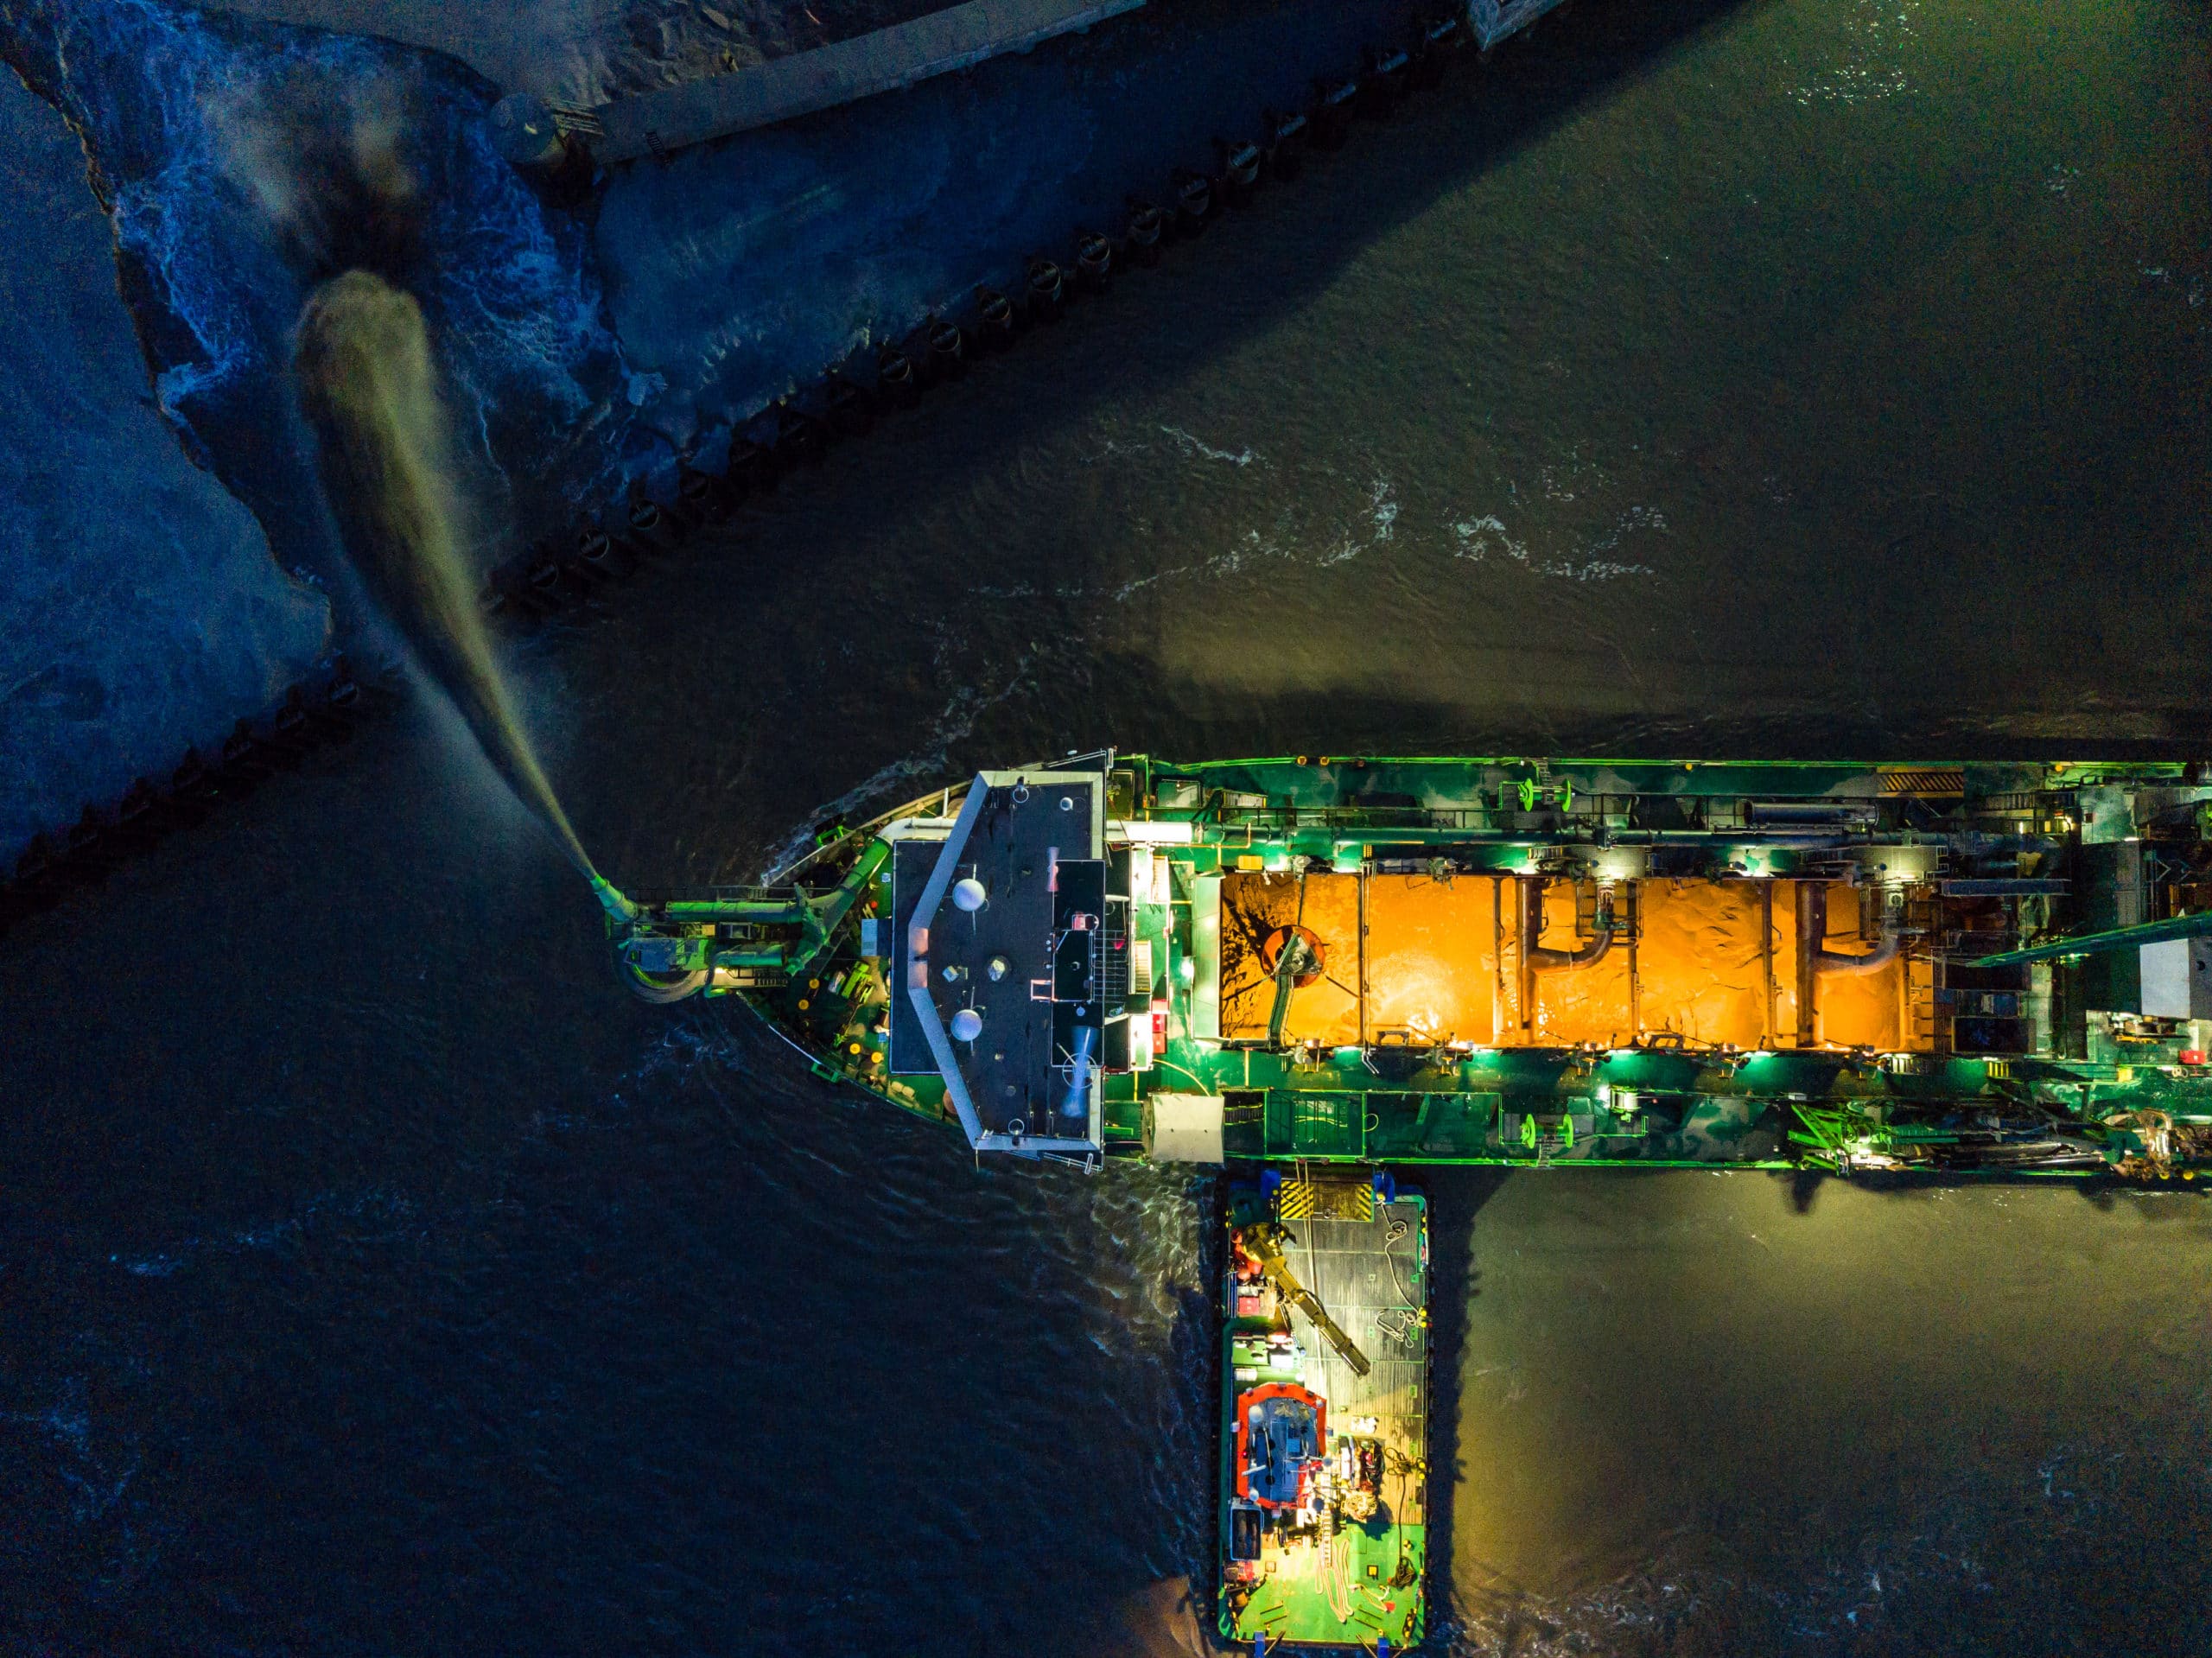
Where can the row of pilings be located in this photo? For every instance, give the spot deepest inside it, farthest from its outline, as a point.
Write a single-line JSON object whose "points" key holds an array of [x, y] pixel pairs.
{"points": [[314, 713], [843, 404], [846, 401]]}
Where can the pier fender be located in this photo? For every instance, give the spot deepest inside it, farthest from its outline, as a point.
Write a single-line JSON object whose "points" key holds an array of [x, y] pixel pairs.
{"points": [[939, 351], [240, 762], [547, 581], [1094, 260], [704, 497], [751, 469], [651, 524], [1048, 289], [997, 322], [143, 815], [579, 575], [601, 554], [1240, 168], [1147, 229], [896, 380], [1285, 144], [1441, 41], [801, 439], [1194, 200], [1333, 105], [852, 407], [1383, 86], [191, 786], [36, 863]]}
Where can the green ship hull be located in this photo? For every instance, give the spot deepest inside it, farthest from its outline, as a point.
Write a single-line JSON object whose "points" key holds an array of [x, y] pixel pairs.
{"points": [[1952, 968]]}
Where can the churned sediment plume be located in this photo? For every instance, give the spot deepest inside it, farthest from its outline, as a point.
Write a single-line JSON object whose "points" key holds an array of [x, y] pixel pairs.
{"points": [[371, 387]]}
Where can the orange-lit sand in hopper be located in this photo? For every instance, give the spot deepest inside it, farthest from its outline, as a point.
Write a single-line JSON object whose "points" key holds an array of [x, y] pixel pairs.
{"points": [[1427, 960]]}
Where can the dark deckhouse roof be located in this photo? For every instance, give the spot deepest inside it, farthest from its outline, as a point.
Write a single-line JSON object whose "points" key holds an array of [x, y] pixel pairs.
{"points": [[1024, 961]]}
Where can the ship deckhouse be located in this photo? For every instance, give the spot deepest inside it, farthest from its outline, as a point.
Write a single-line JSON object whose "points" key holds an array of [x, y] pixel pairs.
{"points": [[1008, 960]]}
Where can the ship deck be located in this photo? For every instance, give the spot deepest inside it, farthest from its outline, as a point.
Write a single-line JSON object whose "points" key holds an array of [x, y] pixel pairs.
{"points": [[1803, 965]]}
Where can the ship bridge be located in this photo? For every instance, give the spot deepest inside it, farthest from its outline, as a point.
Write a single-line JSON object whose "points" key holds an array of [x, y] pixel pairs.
{"points": [[1009, 960]]}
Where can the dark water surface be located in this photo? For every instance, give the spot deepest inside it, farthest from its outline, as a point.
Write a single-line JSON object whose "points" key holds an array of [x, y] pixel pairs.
{"points": [[375, 1277]]}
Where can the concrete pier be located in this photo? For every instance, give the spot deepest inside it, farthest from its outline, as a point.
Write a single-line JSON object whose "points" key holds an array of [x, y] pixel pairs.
{"points": [[659, 121]]}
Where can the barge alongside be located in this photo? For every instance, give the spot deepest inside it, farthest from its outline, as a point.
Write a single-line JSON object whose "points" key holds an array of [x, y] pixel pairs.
{"points": [[1324, 1429]]}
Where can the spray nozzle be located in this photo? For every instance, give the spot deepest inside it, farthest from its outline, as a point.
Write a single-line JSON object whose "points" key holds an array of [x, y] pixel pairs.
{"points": [[618, 907]]}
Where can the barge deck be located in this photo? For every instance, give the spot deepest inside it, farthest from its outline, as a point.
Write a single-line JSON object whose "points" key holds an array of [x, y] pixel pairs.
{"points": [[1326, 1551]]}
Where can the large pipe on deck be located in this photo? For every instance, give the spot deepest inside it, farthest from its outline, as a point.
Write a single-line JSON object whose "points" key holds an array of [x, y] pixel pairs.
{"points": [[1541, 960], [1535, 958], [1816, 962]]}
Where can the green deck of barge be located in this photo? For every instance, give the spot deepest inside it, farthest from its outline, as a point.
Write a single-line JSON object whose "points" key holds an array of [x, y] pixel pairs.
{"points": [[1340, 1583]]}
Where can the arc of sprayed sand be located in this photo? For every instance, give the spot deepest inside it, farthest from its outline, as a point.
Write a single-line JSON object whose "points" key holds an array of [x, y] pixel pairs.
{"points": [[371, 386]]}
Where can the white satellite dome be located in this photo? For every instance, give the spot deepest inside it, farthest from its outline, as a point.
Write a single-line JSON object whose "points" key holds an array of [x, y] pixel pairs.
{"points": [[969, 894], [966, 1025]]}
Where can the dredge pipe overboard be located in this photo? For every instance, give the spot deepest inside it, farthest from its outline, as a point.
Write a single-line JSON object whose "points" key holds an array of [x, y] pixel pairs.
{"points": [[618, 908]]}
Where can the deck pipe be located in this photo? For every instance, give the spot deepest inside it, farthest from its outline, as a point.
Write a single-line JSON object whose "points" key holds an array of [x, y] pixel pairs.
{"points": [[1536, 958], [1816, 962], [1540, 959]]}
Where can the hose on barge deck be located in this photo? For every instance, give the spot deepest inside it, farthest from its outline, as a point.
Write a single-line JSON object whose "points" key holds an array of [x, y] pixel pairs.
{"points": [[1816, 962]]}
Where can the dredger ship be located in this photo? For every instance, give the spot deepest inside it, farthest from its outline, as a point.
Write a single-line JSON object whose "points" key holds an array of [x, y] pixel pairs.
{"points": [[1326, 972]]}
